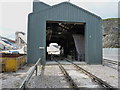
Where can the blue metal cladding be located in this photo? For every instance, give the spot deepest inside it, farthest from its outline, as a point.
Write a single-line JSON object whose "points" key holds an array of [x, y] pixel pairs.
{"points": [[38, 6], [70, 13]]}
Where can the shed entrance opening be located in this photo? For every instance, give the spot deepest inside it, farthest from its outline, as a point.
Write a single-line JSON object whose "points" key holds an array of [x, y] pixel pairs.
{"points": [[69, 37]]}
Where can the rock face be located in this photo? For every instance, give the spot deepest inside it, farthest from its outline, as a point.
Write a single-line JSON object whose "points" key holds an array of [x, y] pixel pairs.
{"points": [[111, 33]]}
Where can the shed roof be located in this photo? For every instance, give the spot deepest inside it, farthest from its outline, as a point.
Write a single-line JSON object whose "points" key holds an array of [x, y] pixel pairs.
{"points": [[68, 3]]}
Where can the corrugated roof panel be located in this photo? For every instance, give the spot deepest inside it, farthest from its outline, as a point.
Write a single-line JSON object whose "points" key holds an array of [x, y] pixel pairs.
{"points": [[38, 6]]}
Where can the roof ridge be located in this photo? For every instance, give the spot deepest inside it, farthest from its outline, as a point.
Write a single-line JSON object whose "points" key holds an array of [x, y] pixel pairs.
{"points": [[41, 2], [83, 9], [69, 4]]}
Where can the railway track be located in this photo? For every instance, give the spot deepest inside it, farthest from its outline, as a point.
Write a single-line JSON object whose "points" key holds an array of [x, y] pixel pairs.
{"points": [[96, 82], [111, 63], [69, 79]]}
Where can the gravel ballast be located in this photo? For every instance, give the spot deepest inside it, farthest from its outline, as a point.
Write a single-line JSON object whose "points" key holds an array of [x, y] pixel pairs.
{"points": [[105, 73], [80, 78], [51, 77], [14, 79]]}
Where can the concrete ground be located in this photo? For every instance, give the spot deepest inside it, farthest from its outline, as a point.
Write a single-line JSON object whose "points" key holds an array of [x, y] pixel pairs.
{"points": [[105, 73], [51, 77], [81, 79], [14, 79], [52, 62]]}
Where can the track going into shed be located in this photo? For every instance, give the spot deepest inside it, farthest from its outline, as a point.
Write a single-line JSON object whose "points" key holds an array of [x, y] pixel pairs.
{"points": [[80, 78], [66, 74]]}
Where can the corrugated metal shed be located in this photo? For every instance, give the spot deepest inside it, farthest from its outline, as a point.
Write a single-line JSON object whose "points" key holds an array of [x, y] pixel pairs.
{"points": [[67, 12]]}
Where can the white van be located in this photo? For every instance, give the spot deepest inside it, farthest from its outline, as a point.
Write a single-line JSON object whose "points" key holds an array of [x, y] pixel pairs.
{"points": [[54, 49]]}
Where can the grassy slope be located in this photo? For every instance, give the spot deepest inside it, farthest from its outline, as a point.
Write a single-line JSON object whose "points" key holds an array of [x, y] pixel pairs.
{"points": [[111, 19]]}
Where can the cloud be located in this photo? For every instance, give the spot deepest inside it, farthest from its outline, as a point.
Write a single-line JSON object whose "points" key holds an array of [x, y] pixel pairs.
{"points": [[102, 9], [14, 15], [53, 1], [7, 32]]}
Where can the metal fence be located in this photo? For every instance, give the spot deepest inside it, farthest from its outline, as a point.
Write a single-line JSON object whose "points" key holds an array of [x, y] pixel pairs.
{"points": [[24, 84]]}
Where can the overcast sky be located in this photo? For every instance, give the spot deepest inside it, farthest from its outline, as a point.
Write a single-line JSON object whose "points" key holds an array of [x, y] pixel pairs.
{"points": [[14, 13]]}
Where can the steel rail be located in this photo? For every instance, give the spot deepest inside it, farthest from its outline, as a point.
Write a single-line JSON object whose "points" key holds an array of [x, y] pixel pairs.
{"points": [[96, 79], [69, 79], [23, 86], [110, 61]]}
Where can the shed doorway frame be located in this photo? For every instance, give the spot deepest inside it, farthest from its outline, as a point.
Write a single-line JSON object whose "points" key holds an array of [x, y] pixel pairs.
{"points": [[70, 22]]}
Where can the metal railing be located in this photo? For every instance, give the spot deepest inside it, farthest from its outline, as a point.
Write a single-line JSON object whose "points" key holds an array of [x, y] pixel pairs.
{"points": [[24, 84]]}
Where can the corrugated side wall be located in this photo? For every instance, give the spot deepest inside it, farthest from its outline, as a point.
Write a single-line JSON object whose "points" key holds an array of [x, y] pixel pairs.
{"points": [[38, 6], [69, 13]]}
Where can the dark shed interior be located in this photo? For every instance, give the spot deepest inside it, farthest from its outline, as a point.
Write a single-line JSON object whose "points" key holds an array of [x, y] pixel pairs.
{"points": [[70, 36]]}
